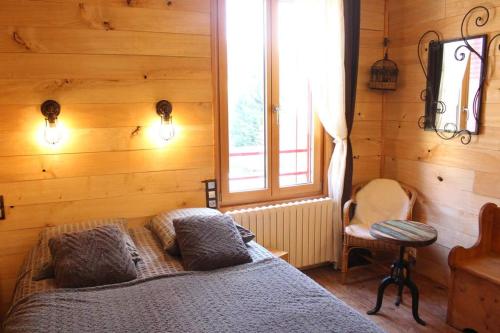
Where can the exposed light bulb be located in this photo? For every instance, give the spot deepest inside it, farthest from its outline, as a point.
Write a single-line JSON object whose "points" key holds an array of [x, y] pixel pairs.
{"points": [[167, 129], [53, 133]]}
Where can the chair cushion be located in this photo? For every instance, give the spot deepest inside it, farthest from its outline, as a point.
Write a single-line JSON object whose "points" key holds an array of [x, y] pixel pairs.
{"points": [[359, 230], [381, 200]]}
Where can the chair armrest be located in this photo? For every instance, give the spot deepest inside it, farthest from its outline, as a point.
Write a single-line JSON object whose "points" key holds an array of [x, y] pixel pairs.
{"points": [[347, 212], [456, 254], [459, 254], [413, 198], [484, 241]]}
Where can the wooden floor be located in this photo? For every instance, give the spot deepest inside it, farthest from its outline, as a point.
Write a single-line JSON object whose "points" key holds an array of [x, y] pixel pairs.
{"points": [[360, 293]]}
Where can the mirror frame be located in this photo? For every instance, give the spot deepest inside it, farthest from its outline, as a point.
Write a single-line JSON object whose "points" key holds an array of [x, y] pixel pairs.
{"points": [[434, 106], [480, 16]]}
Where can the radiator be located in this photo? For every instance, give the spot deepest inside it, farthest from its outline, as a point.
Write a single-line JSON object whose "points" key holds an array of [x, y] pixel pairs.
{"points": [[303, 229]]}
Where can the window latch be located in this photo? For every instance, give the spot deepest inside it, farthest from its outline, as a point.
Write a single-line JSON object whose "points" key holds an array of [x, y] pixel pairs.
{"points": [[276, 109]]}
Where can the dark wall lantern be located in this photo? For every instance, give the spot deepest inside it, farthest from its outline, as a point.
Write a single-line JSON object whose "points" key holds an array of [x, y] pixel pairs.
{"points": [[51, 110], [164, 110]]}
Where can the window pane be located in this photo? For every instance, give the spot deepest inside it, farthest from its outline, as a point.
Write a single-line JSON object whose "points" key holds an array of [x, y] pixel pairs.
{"points": [[246, 40], [296, 117]]}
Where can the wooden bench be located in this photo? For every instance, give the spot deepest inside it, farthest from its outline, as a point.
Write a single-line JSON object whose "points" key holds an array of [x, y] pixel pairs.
{"points": [[474, 297]]}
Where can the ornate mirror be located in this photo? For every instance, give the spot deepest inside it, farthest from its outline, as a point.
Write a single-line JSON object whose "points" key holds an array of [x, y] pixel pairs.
{"points": [[455, 74]]}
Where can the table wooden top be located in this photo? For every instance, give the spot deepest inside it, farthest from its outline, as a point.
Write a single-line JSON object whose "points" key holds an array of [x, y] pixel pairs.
{"points": [[404, 233]]}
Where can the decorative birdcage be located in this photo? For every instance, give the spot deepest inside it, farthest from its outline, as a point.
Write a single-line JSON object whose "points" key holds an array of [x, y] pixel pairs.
{"points": [[384, 75]]}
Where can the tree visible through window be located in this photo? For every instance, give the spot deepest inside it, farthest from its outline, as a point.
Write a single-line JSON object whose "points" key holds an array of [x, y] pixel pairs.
{"points": [[270, 138]]}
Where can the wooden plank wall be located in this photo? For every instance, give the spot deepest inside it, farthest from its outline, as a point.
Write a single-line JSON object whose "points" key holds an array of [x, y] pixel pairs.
{"points": [[107, 63], [453, 180], [367, 131]]}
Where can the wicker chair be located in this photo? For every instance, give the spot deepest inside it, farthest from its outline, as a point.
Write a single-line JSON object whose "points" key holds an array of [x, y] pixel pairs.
{"points": [[356, 235]]}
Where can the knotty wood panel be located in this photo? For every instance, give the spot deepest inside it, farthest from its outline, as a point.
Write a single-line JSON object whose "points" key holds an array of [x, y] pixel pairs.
{"points": [[106, 139], [487, 184], [102, 163], [100, 16], [372, 14], [453, 180], [404, 130], [186, 5], [367, 129], [86, 41], [128, 206], [104, 91], [107, 63], [366, 168], [102, 186], [102, 67]]}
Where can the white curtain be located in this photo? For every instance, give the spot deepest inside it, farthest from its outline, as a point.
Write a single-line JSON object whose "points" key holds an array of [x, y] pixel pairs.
{"points": [[322, 37]]}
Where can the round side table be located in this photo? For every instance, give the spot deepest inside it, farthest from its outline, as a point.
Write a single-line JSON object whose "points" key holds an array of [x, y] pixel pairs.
{"points": [[404, 234]]}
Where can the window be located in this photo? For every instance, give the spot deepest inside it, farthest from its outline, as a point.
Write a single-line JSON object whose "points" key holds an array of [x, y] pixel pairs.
{"points": [[271, 141]]}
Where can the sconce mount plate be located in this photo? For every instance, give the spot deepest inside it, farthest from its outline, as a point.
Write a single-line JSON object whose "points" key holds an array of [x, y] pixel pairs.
{"points": [[164, 108], [51, 110]]}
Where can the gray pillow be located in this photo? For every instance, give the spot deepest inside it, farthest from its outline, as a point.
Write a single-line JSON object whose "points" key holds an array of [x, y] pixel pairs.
{"points": [[45, 269], [91, 258], [210, 242], [246, 234], [166, 230], [162, 225]]}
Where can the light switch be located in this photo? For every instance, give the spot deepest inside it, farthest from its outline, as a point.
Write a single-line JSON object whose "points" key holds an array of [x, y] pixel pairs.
{"points": [[211, 193]]}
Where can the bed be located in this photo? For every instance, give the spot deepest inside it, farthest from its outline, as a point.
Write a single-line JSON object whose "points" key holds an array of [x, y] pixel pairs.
{"points": [[266, 295]]}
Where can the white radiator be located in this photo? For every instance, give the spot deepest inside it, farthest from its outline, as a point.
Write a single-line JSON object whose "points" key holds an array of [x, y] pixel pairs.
{"points": [[303, 229]]}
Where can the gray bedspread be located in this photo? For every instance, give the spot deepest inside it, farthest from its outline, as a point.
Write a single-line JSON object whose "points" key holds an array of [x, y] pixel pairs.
{"points": [[266, 296]]}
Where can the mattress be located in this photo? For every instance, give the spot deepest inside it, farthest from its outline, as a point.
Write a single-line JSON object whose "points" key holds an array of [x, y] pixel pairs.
{"points": [[155, 262]]}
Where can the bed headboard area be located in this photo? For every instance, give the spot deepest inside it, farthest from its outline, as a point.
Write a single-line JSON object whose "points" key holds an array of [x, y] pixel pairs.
{"points": [[107, 66]]}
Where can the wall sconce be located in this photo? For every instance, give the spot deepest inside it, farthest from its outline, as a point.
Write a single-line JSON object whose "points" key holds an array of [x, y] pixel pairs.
{"points": [[164, 110], [51, 110]]}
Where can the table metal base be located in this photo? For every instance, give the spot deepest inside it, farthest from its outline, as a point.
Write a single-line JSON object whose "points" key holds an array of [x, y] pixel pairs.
{"points": [[400, 276]]}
